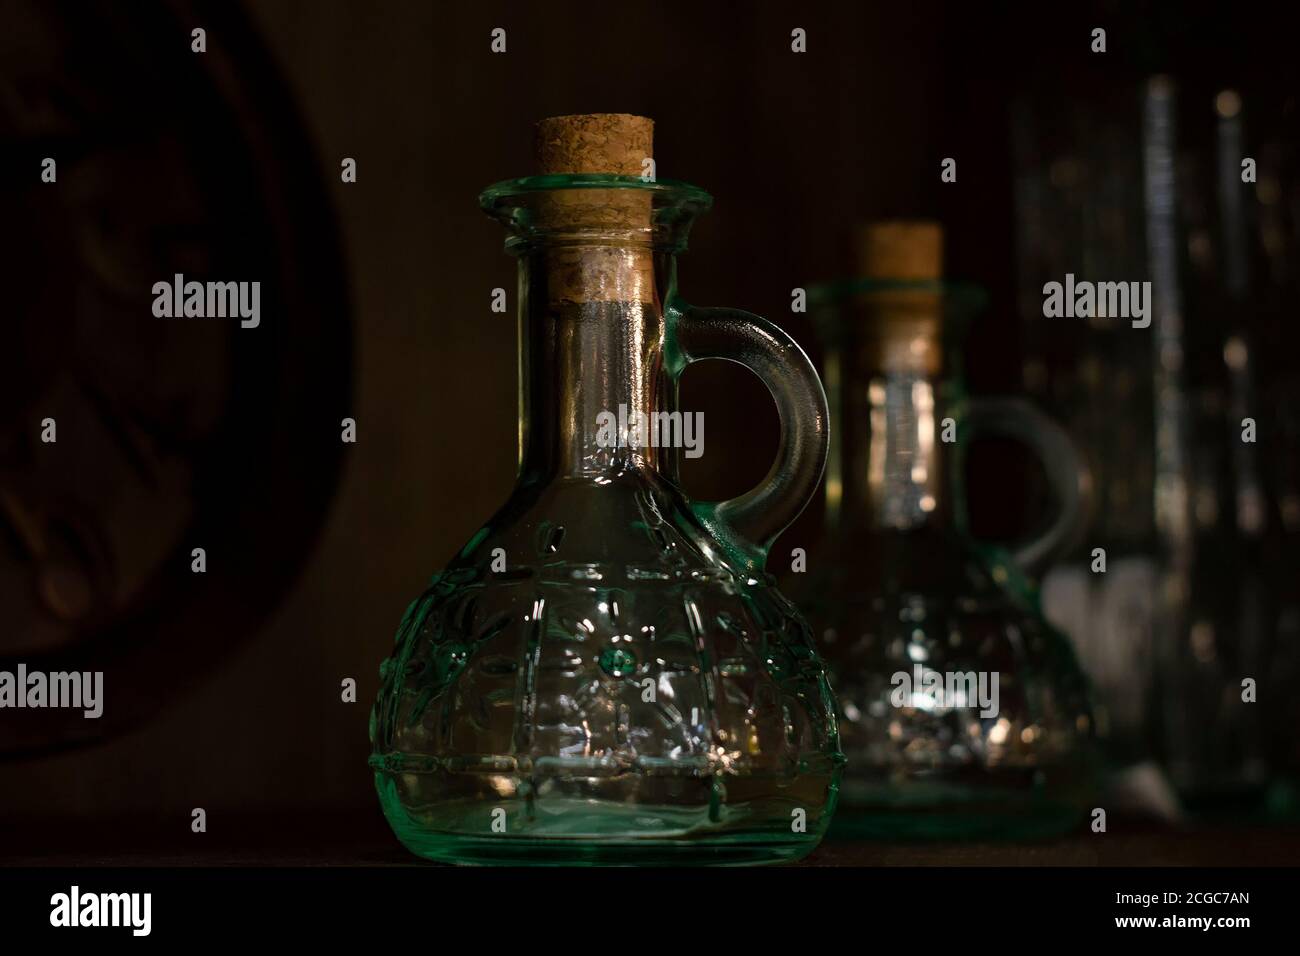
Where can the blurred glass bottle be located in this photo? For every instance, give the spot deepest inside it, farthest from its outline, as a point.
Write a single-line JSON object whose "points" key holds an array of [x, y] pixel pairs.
{"points": [[1139, 187], [963, 713], [1272, 226], [1221, 608]]}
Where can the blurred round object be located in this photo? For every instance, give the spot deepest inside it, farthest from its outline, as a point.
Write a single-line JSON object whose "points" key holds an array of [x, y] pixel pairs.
{"points": [[128, 441]]}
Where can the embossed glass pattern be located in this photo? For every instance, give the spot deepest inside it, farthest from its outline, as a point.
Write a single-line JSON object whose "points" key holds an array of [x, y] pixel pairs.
{"points": [[605, 672]]}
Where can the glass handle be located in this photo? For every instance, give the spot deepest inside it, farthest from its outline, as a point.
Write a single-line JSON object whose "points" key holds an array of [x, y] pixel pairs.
{"points": [[1066, 471], [749, 524]]}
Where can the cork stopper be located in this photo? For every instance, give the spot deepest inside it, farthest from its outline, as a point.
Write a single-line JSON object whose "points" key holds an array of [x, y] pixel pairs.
{"points": [[595, 143], [907, 324], [911, 250], [611, 143]]}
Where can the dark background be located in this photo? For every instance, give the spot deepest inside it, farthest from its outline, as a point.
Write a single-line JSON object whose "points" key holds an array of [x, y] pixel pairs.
{"points": [[228, 698]]}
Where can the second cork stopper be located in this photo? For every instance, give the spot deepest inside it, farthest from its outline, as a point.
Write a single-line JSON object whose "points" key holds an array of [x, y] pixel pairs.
{"points": [[901, 249], [906, 323]]}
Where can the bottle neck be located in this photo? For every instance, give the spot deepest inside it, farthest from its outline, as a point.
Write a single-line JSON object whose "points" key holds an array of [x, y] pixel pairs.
{"points": [[889, 474], [593, 388]]}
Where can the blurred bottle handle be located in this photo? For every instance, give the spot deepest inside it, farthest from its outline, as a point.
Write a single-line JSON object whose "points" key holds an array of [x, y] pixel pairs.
{"points": [[1066, 472]]}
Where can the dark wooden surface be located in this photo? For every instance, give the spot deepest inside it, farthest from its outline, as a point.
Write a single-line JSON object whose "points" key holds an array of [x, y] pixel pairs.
{"points": [[363, 839]]}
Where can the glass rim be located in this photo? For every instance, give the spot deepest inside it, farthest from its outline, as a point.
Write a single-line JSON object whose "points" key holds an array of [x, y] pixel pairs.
{"points": [[672, 190]]}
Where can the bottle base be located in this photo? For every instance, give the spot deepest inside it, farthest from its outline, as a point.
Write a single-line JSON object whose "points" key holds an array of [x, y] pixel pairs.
{"points": [[585, 833], [736, 850]]}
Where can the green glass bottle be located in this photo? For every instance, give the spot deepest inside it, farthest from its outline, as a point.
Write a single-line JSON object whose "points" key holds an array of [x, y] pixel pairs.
{"points": [[605, 673], [963, 713]]}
